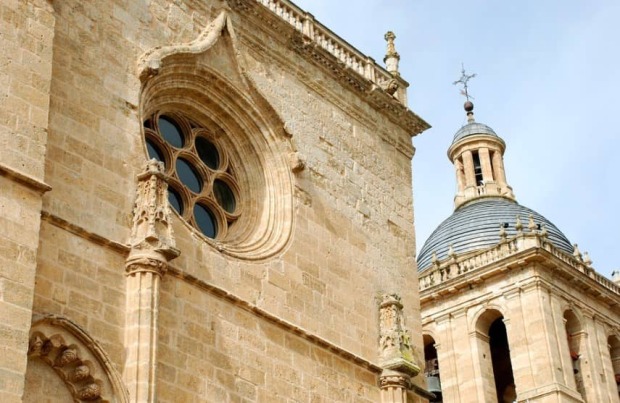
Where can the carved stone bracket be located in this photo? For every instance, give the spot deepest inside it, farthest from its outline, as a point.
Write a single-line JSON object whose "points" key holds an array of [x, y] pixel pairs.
{"points": [[396, 351]]}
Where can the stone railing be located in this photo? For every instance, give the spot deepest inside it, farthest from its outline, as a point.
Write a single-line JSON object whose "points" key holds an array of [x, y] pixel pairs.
{"points": [[453, 267], [318, 34], [578, 263]]}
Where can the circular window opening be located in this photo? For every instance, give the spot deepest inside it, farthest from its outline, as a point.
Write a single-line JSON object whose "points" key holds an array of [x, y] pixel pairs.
{"points": [[188, 175], [195, 192], [154, 151], [175, 200], [224, 196], [205, 220], [208, 152], [170, 131]]}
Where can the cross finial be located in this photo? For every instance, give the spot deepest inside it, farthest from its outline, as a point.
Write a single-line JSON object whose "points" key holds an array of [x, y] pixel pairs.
{"points": [[463, 81]]}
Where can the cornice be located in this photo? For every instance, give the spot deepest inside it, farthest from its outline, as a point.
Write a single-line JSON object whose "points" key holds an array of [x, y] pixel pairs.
{"points": [[362, 80]]}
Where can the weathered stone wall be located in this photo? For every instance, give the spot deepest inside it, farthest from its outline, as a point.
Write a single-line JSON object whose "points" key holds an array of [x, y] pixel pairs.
{"points": [[302, 323], [26, 34]]}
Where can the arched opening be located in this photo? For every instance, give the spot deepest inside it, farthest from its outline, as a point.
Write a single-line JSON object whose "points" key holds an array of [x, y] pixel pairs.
{"points": [[500, 358], [573, 338], [433, 380], [494, 356], [614, 353]]}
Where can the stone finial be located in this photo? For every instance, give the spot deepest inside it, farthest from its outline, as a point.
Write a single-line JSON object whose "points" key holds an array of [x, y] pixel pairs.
{"points": [[577, 253], [451, 252], [392, 57], [586, 259], [395, 347], [531, 224], [519, 225], [502, 231], [434, 259], [152, 239], [615, 276]]}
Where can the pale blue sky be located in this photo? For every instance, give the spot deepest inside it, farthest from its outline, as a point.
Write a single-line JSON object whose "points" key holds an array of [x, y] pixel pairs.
{"points": [[548, 83]]}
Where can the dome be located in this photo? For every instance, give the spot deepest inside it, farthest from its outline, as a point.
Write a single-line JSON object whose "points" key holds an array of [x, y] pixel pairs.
{"points": [[472, 129], [475, 226]]}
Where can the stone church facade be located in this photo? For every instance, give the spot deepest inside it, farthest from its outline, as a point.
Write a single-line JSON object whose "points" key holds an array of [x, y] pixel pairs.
{"points": [[209, 200], [511, 310], [202, 201]]}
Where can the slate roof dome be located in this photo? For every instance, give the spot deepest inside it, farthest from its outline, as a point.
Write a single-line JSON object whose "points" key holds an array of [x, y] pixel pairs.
{"points": [[471, 129], [475, 226]]}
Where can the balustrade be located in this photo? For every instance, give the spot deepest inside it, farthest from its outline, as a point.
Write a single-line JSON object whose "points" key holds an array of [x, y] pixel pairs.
{"points": [[350, 57]]}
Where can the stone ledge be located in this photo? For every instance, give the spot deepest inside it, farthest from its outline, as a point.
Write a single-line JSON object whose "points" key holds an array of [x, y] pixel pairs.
{"points": [[24, 179]]}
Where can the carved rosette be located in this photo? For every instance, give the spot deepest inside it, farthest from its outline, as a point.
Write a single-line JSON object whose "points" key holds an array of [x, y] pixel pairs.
{"points": [[152, 240], [395, 348]]}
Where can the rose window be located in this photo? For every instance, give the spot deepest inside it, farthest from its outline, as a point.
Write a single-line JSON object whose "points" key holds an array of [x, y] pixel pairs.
{"points": [[202, 186]]}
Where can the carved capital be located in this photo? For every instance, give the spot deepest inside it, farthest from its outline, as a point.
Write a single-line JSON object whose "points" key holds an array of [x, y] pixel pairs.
{"points": [[143, 264], [151, 231], [391, 379], [395, 348]]}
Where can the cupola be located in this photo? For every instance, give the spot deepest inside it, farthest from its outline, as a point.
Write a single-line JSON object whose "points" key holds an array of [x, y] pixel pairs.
{"points": [[477, 153]]}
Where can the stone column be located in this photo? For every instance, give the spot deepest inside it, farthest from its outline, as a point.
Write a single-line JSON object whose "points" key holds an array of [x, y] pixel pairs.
{"points": [[460, 175], [485, 162], [498, 168], [152, 247], [394, 386], [468, 162], [395, 352]]}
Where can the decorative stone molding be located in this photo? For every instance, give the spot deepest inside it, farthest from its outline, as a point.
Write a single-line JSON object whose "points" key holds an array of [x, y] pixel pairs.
{"points": [[395, 348], [392, 379], [150, 63], [78, 360]]}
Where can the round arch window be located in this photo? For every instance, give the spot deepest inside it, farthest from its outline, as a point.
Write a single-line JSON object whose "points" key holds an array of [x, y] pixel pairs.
{"points": [[202, 186]]}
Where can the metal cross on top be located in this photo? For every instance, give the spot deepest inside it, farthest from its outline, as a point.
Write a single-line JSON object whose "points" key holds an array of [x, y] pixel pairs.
{"points": [[463, 80]]}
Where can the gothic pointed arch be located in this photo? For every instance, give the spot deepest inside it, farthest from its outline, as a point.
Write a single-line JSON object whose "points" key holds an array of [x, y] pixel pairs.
{"points": [[77, 361], [246, 199]]}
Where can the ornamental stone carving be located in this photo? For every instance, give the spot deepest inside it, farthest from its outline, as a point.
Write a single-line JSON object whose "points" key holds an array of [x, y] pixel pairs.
{"points": [[152, 241], [77, 359], [396, 350]]}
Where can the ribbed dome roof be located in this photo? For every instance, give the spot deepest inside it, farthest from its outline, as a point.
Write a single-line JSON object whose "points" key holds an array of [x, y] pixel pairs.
{"points": [[475, 226], [472, 129]]}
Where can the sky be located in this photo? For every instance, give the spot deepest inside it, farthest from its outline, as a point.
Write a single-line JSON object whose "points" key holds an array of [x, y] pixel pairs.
{"points": [[548, 83]]}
